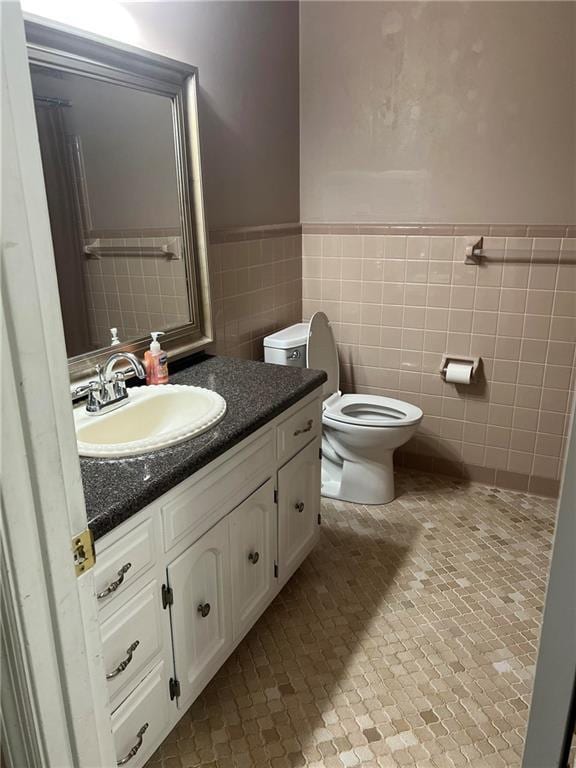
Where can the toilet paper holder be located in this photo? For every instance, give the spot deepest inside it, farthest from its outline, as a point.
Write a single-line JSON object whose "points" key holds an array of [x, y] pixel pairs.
{"points": [[446, 359]]}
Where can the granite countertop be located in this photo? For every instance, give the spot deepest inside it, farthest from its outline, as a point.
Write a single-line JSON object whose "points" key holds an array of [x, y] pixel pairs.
{"points": [[115, 489]]}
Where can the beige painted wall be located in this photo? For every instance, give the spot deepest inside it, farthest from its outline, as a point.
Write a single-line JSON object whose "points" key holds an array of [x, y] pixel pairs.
{"points": [[247, 55], [437, 112]]}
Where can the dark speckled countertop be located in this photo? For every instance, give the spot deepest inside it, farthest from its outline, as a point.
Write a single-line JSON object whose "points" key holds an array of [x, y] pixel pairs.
{"points": [[115, 489]]}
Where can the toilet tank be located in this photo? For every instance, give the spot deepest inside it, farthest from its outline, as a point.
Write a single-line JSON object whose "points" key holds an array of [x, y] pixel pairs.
{"points": [[288, 346]]}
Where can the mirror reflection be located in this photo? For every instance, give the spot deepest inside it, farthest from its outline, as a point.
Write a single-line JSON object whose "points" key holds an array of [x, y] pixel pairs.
{"points": [[109, 163]]}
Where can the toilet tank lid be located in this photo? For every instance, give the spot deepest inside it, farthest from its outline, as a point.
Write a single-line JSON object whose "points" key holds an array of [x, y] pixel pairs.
{"points": [[294, 336]]}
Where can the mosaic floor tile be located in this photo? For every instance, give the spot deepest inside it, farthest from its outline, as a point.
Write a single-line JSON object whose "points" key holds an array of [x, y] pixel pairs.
{"points": [[407, 638]]}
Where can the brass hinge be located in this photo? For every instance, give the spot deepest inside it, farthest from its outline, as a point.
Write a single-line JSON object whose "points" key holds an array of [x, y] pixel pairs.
{"points": [[83, 551], [174, 688], [167, 596]]}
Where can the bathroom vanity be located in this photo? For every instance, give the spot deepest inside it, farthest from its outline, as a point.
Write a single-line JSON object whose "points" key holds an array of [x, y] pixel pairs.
{"points": [[193, 542]]}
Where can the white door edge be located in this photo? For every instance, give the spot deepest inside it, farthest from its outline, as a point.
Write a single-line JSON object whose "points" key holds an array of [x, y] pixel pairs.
{"points": [[52, 617]]}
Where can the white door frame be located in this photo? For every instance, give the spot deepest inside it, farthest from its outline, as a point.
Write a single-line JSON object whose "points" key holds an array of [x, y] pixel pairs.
{"points": [[56, 713], [550, 728]]}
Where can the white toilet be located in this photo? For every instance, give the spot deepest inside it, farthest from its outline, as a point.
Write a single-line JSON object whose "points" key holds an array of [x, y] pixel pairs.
{"points": [[360, 432]]}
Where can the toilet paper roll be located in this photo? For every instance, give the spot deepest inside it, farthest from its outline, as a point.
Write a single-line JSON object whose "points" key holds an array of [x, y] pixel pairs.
{"points": [[459, 373]]}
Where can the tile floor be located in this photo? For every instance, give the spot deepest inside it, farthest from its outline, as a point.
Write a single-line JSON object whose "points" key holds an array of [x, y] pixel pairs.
{"points": [[408, 637]]}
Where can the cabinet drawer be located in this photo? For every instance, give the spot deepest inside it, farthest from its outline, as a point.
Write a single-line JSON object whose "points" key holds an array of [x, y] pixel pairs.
{"points": [[139, 722], [131, 637], [120, 564], [298, 429], [203, 503]]}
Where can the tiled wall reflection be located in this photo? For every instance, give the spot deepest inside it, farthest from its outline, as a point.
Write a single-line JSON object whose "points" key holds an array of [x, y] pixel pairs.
{"points": [[134, 293], [256, 290], [397, 303]]}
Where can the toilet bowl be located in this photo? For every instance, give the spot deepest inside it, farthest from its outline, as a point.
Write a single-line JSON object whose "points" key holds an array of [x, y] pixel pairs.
{"points": [[359, 432]]}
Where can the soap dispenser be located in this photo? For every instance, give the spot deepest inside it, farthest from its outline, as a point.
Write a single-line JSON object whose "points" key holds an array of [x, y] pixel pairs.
{"points": [[156, 361]]}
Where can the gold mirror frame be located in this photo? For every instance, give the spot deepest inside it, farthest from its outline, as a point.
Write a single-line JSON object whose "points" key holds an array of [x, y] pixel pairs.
{"points": [[54, 47]]}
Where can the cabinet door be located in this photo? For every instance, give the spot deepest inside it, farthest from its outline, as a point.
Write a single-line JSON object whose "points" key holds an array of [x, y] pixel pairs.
{"points": [[201, 618], [298, 508], [252, 545]]}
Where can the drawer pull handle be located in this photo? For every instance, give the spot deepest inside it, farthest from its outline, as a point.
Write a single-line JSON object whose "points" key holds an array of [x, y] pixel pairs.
{"points": [[307, 428], [299, 506], [115, 584], [124, 663], [254, 557], [204, 609], [129, 755]]}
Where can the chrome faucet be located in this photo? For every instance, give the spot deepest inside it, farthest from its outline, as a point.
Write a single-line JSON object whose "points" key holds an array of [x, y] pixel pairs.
{"points": [[109, 390]]}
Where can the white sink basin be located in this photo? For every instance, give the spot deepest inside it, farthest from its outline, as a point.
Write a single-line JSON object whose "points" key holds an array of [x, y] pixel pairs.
{"points": [[154, 417]]}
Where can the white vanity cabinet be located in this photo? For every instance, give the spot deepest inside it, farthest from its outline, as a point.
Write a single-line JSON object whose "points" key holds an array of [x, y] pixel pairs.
{"points": [[219, 587], [182, 581]]}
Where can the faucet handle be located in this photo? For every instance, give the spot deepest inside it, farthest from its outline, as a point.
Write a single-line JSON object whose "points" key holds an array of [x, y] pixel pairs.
{"points": [[92, 389], [94, 398], [83, 390]]}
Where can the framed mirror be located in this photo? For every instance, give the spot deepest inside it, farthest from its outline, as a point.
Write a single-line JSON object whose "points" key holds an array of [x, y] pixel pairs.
{"points": [[118, 131]]}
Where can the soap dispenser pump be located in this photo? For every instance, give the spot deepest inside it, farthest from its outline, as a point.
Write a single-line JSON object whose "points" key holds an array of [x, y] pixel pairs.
{"points": [[156, 361]]}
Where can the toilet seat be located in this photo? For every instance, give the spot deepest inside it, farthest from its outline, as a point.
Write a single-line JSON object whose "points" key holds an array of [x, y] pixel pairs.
{"points": [[371, 411], [322, 353], [358, 410]]}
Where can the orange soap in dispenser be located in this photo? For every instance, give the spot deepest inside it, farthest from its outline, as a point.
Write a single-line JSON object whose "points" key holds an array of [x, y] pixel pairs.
{"points": [[156, 361]]}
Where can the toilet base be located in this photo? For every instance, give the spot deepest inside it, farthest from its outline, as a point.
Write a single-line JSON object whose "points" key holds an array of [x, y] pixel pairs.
{"points": [[368, 482]]}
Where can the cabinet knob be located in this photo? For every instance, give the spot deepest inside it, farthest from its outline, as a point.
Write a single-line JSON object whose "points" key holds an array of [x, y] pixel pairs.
{"points": [[204, 609], [299, 506], [254, 557]]}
